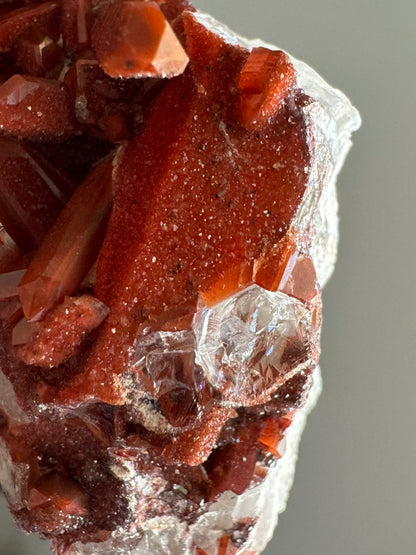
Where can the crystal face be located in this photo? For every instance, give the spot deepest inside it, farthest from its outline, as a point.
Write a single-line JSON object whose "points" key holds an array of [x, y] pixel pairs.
{"points": [[249, 344], [167, 223]]}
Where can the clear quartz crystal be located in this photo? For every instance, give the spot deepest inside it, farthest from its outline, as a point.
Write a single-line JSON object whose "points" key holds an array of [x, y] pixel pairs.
{"points": [[242, 342]]}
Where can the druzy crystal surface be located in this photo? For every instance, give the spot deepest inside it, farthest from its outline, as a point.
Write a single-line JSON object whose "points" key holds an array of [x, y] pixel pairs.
{"points": [[167, 223]]}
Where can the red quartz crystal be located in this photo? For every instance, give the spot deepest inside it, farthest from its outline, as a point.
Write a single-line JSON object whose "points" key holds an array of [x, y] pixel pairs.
{"points": [[173, 253], [43, 16], [39, 55], [33, 107], [134, 39], [149, 171], [60, 334], [71, 247], [264, 82], [32, 193]]}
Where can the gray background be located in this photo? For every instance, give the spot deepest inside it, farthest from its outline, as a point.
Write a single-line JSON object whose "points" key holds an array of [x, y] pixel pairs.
{"points": [[355, 489]]}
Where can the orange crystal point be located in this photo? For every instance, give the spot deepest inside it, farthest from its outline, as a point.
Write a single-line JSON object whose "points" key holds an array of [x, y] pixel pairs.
{"points": [[71, 247], [194, 447], [264, 82], [59, 491], [59, 336], [272, 434], [273, 266], [134, 39]]}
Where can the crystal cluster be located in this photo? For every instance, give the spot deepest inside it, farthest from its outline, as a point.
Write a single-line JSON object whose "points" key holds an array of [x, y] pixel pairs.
{"points": [[168, 220]]}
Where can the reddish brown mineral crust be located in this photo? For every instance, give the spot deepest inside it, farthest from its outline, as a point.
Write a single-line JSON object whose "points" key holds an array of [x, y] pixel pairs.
{"points": [[139, 266], [134, 39], [122, 423], [194, 447]]}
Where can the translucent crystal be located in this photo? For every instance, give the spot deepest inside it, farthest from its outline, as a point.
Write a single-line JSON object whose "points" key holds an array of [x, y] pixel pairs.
{"points": [[243, 344], [8, 284], [166, 369]]}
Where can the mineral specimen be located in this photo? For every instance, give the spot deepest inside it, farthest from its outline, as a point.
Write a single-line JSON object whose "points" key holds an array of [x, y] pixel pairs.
{"points": [[168, 221]]}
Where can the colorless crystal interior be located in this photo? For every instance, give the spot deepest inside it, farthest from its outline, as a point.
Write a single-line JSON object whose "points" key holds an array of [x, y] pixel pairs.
{"points": [[160, 355], [242, 343]]}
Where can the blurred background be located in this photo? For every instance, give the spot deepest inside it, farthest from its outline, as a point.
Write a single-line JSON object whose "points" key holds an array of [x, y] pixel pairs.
{"points": [[355, 488]]}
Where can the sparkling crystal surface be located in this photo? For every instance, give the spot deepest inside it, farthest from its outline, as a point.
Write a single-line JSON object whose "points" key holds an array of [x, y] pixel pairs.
{"points": [[35, 107], [168, 220]]}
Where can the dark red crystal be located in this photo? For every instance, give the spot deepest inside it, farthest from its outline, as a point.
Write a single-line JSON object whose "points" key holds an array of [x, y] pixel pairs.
{"points": [[39, 16], [32, 194], [39, 55], [71, 247], [33, 107]]}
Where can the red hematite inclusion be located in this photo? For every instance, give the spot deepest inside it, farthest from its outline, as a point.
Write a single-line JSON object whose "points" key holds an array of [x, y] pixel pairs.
{"points": [[131, 206]]}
